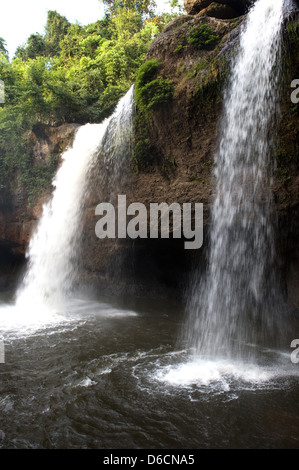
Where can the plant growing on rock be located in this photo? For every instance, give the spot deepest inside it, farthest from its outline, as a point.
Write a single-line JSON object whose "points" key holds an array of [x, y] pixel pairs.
{"points": [[151, 91], [202, 37]]}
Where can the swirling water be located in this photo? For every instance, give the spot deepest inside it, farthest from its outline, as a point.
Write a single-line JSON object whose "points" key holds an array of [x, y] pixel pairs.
{"points": [[105, 373]]}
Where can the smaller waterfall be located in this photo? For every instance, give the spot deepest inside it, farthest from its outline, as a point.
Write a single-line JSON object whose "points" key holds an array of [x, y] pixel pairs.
{"points": [[234, 304], [53, 249]]}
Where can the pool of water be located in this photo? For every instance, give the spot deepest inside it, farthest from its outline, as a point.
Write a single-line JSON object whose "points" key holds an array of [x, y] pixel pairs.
{"points": [[107, 373]]}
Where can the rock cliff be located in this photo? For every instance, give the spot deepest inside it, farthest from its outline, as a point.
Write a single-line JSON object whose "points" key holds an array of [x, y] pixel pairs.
{"points": [[225, 8], [174, 158]]}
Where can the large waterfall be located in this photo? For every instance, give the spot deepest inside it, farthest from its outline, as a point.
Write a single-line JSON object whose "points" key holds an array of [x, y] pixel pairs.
{"points": [[53, 249], [234, 304]]}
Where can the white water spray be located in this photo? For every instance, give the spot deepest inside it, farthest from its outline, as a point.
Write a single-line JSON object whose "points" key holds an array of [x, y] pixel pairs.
{"points": [[232, 305]]}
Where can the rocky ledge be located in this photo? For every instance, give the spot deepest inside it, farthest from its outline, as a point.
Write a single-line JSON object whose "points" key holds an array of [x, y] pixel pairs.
{"points": [[222, 9]]}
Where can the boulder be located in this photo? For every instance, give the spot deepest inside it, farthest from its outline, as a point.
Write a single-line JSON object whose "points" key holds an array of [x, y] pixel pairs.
{"points": [[195, 6], [217, 10]]}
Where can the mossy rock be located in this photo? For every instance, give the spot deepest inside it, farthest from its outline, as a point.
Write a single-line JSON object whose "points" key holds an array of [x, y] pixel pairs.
{"points": [[151, 91], [202, 37]]}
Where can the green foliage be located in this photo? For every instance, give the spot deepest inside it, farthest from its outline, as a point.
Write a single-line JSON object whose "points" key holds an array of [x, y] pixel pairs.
{"points": [[293, 27], [81, 72], [178, 6], [142, 7], [13, 148], [202, 37], [151, 92], [35, 47], [156, 93], [201, 65], [179, 48], [36, 177], [146, 73], [72, 73], [48, 45], [3, 46], [56, 29], [142, 150]]}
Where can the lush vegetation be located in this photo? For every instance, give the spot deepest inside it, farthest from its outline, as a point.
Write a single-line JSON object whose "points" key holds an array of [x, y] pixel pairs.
{"points": [[202, 37], [151, 91], [71, 73]]}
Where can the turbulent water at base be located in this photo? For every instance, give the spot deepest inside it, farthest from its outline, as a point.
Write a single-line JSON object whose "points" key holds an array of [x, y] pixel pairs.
{"points": [[53, 249], [234, 304], [107, 376]]}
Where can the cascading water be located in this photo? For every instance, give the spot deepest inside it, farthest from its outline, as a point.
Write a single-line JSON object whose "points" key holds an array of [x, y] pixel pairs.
{"points": [[98, 375], [53, 249], [232, 305]]}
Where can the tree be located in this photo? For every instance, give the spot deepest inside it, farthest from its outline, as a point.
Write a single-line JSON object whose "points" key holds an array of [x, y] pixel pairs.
{"points": [[72, 73], [48, 45], [3, 46], [35, 47], [143, 7], [56, 28]]}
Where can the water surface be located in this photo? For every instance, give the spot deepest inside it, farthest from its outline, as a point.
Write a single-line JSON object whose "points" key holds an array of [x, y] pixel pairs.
{"points": [[107, 373]]}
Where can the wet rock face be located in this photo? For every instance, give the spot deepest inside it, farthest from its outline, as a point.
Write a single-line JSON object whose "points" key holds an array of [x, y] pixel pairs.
{"points": [[18, 218], [231, 7], [291, 6]]}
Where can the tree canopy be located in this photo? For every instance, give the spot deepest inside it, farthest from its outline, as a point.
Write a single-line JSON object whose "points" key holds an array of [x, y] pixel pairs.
{"points": [[71, 73], [142, 7], [3, 46]]}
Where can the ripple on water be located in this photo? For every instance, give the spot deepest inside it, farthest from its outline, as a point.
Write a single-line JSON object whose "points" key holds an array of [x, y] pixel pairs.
{"points": [[176, 372], [17, 322]]}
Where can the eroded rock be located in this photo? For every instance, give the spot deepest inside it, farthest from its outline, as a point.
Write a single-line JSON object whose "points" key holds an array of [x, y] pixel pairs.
{"points": [[240, 7]]}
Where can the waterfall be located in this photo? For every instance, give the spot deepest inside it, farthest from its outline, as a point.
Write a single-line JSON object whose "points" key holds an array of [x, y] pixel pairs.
{"points": [[53, 249], [234, 303]]}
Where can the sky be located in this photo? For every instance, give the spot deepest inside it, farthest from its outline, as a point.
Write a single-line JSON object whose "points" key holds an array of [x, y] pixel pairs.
{"points": [[21, 18]]}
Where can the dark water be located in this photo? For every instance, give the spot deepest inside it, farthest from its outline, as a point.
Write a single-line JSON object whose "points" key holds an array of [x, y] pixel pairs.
{"points": [[108, 374]]}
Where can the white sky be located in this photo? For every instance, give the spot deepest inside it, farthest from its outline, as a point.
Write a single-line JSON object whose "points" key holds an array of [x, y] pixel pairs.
{"points": [[20, 18]]}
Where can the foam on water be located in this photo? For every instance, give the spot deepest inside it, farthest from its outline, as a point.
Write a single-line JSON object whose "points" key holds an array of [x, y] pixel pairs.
{"points": [[203, 372], [16, 323]]}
